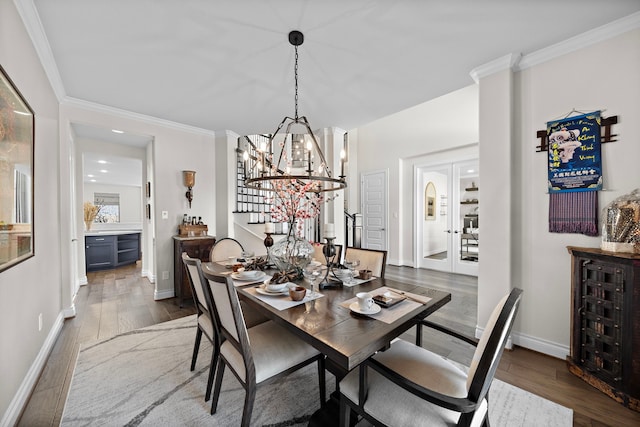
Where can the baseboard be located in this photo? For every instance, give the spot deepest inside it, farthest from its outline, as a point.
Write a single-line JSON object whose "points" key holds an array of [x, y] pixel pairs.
{"points": [[149, 276], [158, 295], [69, 311], [10, 417], [539, 345], [83, 281]]}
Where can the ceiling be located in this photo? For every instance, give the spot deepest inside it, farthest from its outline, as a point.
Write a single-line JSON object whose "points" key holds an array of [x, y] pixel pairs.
{"points": [[228, 65]]}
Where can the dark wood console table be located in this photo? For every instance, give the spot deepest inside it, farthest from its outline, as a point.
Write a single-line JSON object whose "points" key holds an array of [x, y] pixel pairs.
{"points": [[196, 247], [605, 322]]}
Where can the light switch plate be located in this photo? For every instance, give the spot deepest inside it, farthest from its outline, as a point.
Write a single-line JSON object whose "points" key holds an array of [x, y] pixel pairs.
{"points": [[165, 214]]}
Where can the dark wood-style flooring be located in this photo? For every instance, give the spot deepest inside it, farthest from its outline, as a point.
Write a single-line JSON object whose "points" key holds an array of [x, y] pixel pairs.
{"points": [[116, 301]]}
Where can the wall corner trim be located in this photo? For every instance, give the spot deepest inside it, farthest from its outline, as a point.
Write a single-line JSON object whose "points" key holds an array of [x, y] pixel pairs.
{"points": [[507, 62], [604, 32]]}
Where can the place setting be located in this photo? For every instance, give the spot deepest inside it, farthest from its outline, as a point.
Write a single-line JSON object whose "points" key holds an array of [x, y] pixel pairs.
{"points": [[244, 277], [385, 304], [288, 294]]}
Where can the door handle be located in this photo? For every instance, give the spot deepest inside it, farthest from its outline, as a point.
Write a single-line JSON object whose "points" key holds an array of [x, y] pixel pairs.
{"points": [[447, 231], [456, 231]]}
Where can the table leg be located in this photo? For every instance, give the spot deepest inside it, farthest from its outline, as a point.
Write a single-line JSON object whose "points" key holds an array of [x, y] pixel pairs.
{"points": [[329, 414]]}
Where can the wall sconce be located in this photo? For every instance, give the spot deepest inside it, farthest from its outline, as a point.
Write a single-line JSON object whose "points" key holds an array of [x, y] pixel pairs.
{"points": [[189, 182]]}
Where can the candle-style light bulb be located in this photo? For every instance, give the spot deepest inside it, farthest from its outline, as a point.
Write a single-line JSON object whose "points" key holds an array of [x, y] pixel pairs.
{"points": [[245, 155]]}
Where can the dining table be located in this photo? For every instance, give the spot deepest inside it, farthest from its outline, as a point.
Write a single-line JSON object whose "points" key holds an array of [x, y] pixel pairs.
{"points": [[329, 321]]}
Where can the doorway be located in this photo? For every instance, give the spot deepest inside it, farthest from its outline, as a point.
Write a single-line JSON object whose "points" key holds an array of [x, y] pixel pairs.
{"points": [[374, 210], [447, 200]]}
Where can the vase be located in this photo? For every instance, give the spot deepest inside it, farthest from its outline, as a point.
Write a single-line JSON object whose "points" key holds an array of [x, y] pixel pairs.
{"points": [[292, 254]]}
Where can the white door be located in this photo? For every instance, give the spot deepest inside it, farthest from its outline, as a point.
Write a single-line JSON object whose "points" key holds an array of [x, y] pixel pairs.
{"points": [[374, 210], [447, 237]]}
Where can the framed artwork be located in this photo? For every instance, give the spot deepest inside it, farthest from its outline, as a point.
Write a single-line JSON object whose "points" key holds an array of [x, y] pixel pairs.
{"points": [[16, 175], [430, 201]]}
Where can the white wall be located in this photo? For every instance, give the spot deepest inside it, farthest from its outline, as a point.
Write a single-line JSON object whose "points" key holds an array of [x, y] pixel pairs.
{"points": [[602, 76], [394, 143], [130, 200], [32, 287]]}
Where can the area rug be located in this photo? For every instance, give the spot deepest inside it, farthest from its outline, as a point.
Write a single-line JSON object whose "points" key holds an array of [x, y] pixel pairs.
{"points": [[142, 378]]}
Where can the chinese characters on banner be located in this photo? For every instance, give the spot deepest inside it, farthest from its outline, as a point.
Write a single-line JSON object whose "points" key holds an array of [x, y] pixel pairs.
{"points": [[575, 163]]}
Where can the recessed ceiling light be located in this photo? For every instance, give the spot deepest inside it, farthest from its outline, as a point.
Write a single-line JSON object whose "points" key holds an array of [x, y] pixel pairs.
{"points": [[92, 180], [116, 131], [89, 176], [102, 162], [104, 170], [470, 171]]}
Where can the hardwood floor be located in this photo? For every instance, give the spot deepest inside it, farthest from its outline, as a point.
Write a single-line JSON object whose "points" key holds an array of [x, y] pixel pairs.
{"points": [[117, 301]]}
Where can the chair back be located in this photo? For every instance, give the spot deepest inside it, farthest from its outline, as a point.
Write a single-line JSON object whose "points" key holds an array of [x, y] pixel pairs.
{"points": [[370, 259], [225, 248], [201, 293], [491, 345], [318, 253], [229, 318]]}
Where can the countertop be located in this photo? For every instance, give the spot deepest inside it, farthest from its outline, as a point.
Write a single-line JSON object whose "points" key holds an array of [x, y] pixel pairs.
{"points": [[110, 232]]}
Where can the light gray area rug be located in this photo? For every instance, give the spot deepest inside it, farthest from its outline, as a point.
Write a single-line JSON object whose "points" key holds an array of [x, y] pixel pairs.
{"points": [[143, 378]]}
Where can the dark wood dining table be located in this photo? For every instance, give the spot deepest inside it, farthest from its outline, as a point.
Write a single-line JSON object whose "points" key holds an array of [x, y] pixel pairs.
{"points": [[345, 338]]}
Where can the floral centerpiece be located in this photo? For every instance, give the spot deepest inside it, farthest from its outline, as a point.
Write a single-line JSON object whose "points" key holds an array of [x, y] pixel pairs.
{"points": [[293, 203], [90, 213]]}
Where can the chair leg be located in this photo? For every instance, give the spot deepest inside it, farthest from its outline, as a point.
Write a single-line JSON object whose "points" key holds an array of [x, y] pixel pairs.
{"points": [[212, 369], [345, 413], [249, 398], [218, 386], [419, 334], [196, 347], [322, 381]]}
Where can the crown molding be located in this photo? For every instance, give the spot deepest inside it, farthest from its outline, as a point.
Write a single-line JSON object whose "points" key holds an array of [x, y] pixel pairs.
{"points": [[599, 34], [506, 62], [104, 109], [31, 20]]}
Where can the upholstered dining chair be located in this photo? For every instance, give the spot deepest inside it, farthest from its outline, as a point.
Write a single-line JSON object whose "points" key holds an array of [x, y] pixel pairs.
{"points": [[408, 385], [258, 354], [225, 248], [205, 322], [370, 259]]}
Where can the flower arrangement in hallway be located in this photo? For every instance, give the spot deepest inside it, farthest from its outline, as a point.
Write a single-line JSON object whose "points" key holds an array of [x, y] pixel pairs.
{"points": [[90, 213]]}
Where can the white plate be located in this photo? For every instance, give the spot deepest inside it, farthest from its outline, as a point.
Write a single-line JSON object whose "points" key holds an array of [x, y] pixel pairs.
{"points": [[262, 290], [258, 276], [355, 307]]}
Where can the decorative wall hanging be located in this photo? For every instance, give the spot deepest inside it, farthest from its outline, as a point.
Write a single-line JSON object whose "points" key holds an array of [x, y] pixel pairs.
{"points": [[575, 163]]}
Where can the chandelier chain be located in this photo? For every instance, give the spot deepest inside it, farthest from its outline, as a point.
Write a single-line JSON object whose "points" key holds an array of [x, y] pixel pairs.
{"points": [[295, 73]]}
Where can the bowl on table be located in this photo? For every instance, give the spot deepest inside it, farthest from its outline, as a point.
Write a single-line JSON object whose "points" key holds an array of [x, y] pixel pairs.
{"points": [[275, 287], [297, 293], [365, 274], [247, 274]]}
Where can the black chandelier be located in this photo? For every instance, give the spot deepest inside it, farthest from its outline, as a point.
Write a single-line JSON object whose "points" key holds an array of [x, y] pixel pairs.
{"points": [[292, 155]]}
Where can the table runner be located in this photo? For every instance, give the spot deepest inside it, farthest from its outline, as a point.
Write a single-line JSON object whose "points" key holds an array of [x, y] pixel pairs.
{"points": [[281, 302], [391, 314]]}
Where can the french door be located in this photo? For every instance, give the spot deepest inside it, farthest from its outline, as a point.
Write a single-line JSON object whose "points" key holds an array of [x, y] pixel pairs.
{"points": [[447, 221]]}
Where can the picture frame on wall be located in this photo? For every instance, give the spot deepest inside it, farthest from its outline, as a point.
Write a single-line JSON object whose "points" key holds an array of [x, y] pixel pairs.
{"points": [[430, 201], [17, 141]]}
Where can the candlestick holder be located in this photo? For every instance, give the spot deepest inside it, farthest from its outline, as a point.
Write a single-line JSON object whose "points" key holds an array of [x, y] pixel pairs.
{"points": [[330, 280], [268, 242]]}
